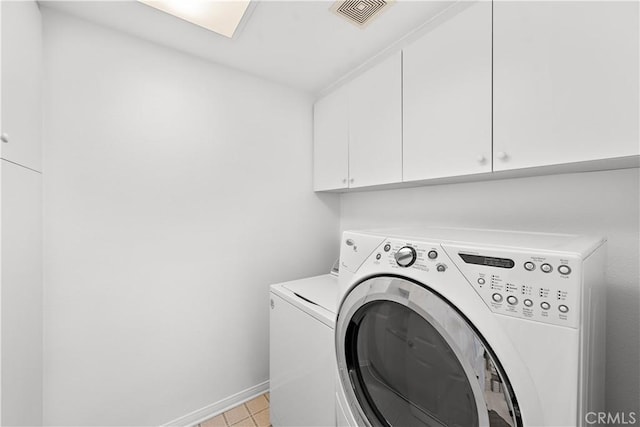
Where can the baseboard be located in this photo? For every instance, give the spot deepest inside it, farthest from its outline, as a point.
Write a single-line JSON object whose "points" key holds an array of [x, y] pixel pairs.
{"points": [[210, 411]]}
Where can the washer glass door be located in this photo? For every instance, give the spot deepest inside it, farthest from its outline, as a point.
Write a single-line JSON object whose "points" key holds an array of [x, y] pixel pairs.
{"points": [[408, 358]]}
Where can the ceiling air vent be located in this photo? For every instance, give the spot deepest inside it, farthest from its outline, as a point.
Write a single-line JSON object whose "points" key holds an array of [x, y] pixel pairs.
{"points": [[360, 12]]}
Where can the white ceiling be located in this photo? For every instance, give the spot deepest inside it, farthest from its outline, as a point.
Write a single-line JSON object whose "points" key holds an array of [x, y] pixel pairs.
{"points": [[301, 44]]}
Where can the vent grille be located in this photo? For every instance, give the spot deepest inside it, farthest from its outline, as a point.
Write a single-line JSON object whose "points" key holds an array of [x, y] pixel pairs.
{"points": [[360, 12]]}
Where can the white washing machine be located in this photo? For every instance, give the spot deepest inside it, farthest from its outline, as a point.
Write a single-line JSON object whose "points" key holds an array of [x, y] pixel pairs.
{"points": [[301, 352], [453, 327]]}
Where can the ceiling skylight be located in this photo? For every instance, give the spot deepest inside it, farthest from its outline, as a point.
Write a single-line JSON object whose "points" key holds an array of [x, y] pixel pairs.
{"points": [[220, 16]]}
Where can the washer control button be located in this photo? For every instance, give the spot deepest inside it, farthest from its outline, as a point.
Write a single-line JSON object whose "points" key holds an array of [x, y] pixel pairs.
{"points": [[441, 267], [512, 300], [528, 302], [546, 268], [387, 247], [432, 254], [529, 266], [563, 308], [564, 269], [496, 297], [481, 281], [545, 305], [378, 256]]}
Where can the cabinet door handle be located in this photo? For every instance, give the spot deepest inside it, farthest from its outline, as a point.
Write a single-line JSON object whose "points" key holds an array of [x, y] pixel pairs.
{"points": [[351, 180], [481, 158], [344, 180], [502, 155], [4, 137]]}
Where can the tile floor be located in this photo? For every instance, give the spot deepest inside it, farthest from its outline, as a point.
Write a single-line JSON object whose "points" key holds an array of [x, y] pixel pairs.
{"points": [[254, 413]]}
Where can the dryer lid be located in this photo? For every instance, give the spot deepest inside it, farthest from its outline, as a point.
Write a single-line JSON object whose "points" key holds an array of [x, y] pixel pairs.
{"points": [[319, 290]]}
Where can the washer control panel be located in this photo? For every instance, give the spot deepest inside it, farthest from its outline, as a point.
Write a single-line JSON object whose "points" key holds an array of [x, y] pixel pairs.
{"points": [[398, 254], [534, 286]]}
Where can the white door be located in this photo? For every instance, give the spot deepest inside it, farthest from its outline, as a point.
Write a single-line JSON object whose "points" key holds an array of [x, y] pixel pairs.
{"points": [[447, 98], [21, 83], [375, 125], [21, 286], [565, 82], [331, 141]]}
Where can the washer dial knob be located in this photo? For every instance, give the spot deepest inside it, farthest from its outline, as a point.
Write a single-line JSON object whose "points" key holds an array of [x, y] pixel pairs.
{"points": [[406, 256]]}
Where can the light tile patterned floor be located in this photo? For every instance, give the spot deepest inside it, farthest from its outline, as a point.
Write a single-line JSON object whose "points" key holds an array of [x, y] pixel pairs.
{"points": [[254, 413]]}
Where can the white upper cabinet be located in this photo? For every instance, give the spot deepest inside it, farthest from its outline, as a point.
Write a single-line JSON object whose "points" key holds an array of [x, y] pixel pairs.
{"points": [[447, 98], [21, 124], [331, 142], [358, 131], [565, 82], [504, 85], [375, 125]]}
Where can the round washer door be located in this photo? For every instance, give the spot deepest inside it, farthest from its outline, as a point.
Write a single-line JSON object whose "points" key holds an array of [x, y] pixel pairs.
{"points": [[407, 357]]}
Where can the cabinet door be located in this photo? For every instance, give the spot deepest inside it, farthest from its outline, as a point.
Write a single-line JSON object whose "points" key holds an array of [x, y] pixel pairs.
{"points": [[21, 82], [375, 125], [331, 141], [447, 98], [21, 287], [565, 82]]}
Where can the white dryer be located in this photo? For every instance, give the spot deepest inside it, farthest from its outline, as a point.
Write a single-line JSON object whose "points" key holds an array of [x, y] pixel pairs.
{"points": [[301, 352], [460, 327]]}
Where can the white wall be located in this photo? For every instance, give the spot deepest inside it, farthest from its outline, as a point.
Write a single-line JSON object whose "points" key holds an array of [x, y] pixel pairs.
{"points": [[176, 191], [597, 203]]}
